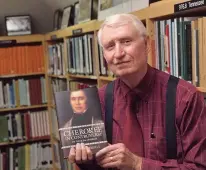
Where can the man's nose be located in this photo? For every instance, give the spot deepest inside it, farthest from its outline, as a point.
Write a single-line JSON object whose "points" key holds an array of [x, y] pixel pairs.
{"points": [[77, 101], [119, 51]]}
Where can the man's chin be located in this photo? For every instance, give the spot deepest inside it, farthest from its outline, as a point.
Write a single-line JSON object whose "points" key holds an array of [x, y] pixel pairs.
{"points": [[122, 73]]}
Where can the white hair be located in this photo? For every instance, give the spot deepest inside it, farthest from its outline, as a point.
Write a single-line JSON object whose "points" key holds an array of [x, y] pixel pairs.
{"points": [[117, 18]]}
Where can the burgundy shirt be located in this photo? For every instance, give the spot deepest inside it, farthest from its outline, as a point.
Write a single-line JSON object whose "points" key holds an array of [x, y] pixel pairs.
{"points": [[150, 113]]}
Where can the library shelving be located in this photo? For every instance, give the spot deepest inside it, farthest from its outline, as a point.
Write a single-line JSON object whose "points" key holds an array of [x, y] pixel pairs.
{"points": [[40, 139], [24, 116], [23, 108], [73, 59]]}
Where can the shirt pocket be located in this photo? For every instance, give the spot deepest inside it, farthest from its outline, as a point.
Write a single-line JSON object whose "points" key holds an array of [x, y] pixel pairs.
{"points": [[157, 148]]}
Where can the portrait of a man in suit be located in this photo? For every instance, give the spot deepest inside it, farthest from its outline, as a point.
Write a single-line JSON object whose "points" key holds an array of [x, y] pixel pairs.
{"points": [[82, 111]]}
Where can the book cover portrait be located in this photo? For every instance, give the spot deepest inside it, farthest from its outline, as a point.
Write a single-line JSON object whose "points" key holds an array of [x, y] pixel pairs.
{"points": [[80, 119]]}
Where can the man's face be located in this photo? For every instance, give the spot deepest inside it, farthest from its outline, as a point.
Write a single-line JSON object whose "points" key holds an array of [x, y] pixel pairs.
{"points": [[78, 101], [124, 49]]}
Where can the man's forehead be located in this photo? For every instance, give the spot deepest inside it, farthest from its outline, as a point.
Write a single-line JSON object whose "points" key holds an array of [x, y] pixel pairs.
{"points": [[117, 24], [117, 31]]}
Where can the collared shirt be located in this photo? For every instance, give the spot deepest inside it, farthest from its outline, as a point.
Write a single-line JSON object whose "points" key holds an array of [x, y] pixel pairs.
{"points": [[150, 113]]}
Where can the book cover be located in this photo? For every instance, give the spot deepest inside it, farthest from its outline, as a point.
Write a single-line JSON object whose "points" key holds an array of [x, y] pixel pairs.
{"points": [[80, 119]]}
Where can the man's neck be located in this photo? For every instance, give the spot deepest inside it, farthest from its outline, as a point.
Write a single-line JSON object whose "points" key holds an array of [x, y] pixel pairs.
{"points": [[133, 80]]}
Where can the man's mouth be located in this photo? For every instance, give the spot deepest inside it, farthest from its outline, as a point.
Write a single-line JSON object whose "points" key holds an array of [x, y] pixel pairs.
{"points": [[124, 62]]}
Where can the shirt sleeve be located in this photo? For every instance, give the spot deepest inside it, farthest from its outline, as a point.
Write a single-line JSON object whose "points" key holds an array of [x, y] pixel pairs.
{"points": [[192, 130]]}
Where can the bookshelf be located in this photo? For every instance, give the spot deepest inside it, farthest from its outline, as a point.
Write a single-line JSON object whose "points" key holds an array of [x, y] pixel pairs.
{"points": [[62, 73], [24, 115], [46, 138], [24, 39], [23, 108]]}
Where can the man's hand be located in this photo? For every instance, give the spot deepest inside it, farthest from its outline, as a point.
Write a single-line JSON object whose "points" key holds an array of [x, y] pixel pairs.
{"points": [[80, 154], [118, 156]]}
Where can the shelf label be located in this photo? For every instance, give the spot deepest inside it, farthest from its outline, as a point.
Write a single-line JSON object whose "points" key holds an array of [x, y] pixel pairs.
{"points": [[53, 37], [189, 5], [77, 31], [7, 42]]}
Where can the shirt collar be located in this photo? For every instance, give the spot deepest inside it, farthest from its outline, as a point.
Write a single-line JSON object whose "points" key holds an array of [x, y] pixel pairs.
{"points": [[143, 88]]}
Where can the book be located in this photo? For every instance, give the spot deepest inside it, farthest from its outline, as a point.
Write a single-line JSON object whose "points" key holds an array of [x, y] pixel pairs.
{"points": [[80, 120]]}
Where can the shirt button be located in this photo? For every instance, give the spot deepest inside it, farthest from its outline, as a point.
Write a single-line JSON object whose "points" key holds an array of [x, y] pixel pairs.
{"points": [[146, 102]]}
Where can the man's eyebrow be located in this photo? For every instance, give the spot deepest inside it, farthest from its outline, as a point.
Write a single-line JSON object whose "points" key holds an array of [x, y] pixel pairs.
{"points": [[120, 39], [109, 42], [126, 38]]}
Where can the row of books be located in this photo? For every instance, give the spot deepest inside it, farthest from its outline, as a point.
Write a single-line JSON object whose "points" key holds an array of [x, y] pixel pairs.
{"points": [[58, 85], [24, 126], [61, 84], [22, 92], [80, 57], [26, 157], [75, 85], [80, 54], [56, 59], [21, 60], [179, 46]]}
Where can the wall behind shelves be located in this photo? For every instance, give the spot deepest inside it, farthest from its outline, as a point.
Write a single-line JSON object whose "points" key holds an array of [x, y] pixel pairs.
{"points": [[41, 11]]}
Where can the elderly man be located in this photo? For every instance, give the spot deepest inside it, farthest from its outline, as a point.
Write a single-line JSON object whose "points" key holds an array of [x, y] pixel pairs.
{"points": [[139, 138]]}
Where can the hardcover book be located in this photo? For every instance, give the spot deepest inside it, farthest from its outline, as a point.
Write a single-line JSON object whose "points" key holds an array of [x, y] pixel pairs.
{"points": [[80, 119]]}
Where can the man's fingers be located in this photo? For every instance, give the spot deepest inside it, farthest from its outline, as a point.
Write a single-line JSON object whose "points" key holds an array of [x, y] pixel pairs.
{"points": [[71, 156], [99, 159], [78, 153], [111, 165], [89, 153], [106, 150], [104, 160], [109, 162], [84, 153]]}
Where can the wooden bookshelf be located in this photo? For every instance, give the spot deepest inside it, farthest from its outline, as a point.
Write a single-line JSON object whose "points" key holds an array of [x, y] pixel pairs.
{"points": [[23, 108], [55, 138], [21, 75], [82, 76], [52, 106], [24, 38], [26, 41], [59, 34], [57, 76], [40, 139]]}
